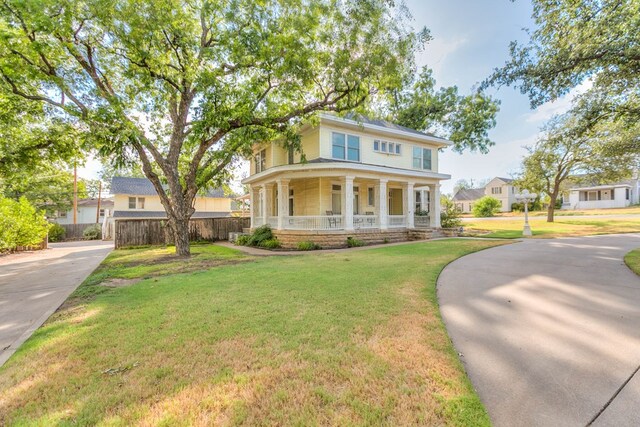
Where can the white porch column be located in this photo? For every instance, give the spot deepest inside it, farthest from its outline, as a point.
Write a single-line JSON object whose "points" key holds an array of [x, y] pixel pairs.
{"points": [[263, 204], [434, 206], [348, 205], [411, 204], [268, 202], [383, 211], [283, 201], [252, 203]]}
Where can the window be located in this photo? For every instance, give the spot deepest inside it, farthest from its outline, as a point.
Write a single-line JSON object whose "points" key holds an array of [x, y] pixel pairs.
{"points": [[628, 194], [135, 203], [261, 161], [345, 147], [290, 202], [386, 147], [422, 158], [290, 155], [336, 199], [102, 211], [371, 196], [592, 195], [496, 190], [418, 202], [353, 148], [356, 200]]}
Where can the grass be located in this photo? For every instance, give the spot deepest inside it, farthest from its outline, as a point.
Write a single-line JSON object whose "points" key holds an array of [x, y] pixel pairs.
{"points": [[631, 210], [349, 338], [561, 227], [632, 259]]}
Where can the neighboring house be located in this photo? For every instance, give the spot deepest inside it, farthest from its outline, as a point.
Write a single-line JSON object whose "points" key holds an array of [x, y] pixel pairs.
{"points": [[498, 188], [616, 195], [136, 198], [359, 175], [87, 212]]}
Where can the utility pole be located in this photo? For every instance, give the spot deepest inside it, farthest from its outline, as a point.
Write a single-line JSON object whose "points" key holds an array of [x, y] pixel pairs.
{"points": [[99, 197], [75, 193]]}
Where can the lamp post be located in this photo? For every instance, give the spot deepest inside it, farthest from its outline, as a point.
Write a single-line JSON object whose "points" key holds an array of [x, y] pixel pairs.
{"points": [[526, 197]]}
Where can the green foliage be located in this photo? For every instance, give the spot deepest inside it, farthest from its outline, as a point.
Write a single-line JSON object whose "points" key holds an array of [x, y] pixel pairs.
{"points": [[576, 41], [353, 243], [93, 232], [422, 213], [186, 88], [242, 240], [486, 206], [259, 235], [308, 245], [20, 224], [465, 120], [270, 244], [56, 232], [450, 215]]}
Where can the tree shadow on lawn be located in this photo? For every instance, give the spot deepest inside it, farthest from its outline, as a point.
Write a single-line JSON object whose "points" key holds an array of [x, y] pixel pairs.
{"points": [[326, 339]]}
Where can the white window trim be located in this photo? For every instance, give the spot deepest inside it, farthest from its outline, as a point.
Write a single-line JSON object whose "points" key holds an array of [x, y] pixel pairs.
{"points": [[421, 158], [346, 146], [387, 144]]}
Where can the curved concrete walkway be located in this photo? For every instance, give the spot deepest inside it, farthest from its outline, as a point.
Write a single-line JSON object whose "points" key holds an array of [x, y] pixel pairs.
{"points": [[549, 330]]}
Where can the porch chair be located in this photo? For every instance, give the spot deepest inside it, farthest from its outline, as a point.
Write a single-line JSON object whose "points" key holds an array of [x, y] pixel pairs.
{"points": [[333, 221]]}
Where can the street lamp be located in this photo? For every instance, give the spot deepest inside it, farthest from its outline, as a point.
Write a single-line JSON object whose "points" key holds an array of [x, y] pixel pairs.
{"points": [[526, 197]]}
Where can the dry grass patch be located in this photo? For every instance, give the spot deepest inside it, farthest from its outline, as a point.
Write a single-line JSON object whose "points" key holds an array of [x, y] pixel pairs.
{"points": [[349, 338]]}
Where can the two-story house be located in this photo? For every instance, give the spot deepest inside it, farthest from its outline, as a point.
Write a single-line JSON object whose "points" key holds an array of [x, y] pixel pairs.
{"points": [[498, 188], [136, 198], [364, 176]]}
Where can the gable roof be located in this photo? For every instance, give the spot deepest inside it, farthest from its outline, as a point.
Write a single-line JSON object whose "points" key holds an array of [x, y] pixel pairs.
{"points": [[505, 180], [144, 187], [105, 202], [469, 194]]}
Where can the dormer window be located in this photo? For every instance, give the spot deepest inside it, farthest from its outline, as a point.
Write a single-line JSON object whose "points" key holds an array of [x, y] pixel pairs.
{"points": [[261, 161]]}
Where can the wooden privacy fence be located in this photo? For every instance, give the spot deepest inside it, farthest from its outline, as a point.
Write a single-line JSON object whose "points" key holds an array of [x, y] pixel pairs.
{"points": [[139, 232], [74, 231]]}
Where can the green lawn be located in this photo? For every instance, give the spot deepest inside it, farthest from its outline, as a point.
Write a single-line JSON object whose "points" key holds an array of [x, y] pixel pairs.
{"points": [[349, 338], [632, 259], [561, 227]]}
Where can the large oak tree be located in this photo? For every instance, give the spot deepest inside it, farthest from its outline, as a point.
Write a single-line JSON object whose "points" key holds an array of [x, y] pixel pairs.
{"points": [[185, 87]]}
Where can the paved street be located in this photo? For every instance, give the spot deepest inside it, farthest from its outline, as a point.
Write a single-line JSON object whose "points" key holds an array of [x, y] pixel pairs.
{"points": [[549, 330], [34, 284]]}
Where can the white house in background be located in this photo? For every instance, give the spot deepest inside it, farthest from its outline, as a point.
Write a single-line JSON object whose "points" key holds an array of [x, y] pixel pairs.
{"points": [[617, 195], [498, 188], [87, 212], [136, 198], [360, 176]]}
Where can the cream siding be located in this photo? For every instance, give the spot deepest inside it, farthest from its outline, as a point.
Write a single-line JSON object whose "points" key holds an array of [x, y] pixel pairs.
{"points": [[153, 204]]}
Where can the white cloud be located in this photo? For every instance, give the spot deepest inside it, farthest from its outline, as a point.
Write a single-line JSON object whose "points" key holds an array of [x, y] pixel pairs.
{"points": [[561, 105]]}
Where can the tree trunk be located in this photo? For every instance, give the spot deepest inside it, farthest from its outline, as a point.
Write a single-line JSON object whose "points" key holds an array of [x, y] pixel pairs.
{"points": [[181, 236], [552, 207]]}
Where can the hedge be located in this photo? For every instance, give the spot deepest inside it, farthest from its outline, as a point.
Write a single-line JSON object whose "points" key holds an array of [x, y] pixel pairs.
{"points": [[20, 224]]}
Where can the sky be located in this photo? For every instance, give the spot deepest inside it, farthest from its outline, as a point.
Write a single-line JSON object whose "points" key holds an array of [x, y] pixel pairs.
{"points": [[470, 39]]}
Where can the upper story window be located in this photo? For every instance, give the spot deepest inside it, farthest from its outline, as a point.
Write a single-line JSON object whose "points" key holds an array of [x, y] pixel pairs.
{"points": [[136, 202], [261, 160], [62, 214], [496, 190], [101, 212], [345, 147], [386, 147], [422, 158]]}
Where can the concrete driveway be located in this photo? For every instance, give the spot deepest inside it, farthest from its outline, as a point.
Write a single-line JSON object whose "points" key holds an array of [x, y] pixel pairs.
{"points": [[34, 284], [549, 330]]}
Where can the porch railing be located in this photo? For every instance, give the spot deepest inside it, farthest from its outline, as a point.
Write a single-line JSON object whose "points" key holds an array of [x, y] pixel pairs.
{"points": [[257, 221], [397, 221], [319, 222], [422, 221], [365, 221], [273, 221]]}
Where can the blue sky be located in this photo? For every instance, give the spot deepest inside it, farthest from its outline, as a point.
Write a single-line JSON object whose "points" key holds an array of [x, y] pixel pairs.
{"points": [[470, 39]]}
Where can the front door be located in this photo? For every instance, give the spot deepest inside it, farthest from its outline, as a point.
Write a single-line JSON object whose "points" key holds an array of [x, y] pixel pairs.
{"points": [[395, 201]]}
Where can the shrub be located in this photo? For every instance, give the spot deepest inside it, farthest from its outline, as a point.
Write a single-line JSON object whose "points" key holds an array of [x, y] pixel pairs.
{"points": [[260, 235], [308, 245], [270, 244], [517, 207], [20, 224], [352, 243], [56, 232], [242, 240], [93, 232], [486, 206], [450, 215]]}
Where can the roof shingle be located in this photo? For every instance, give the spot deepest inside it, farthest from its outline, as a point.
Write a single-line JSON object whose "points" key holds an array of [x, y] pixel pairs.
{"points": [[144, 187]]}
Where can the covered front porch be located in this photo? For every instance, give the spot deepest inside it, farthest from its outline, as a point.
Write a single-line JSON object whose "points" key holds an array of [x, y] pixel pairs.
{"points": [[345, 203]]}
